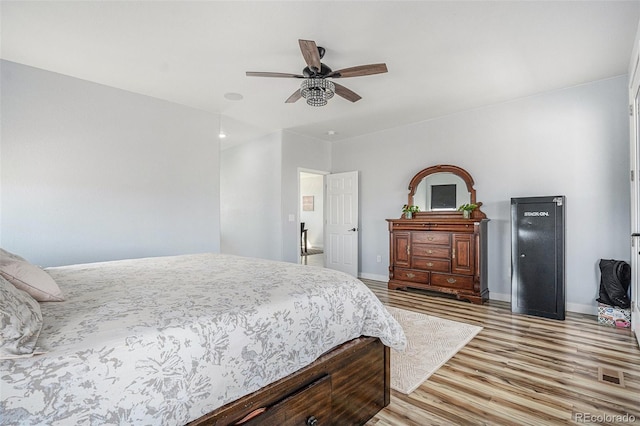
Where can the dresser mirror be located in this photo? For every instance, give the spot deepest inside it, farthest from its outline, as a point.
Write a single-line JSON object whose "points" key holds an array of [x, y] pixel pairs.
{"points": [[441, 189]]}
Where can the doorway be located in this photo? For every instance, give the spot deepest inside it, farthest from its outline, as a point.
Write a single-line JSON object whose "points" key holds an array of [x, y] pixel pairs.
{"points": [[635, 201], [634, 110], [311, 214]]}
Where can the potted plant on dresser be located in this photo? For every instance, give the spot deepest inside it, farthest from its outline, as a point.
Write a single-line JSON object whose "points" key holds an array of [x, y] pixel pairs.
{"points": [[466, 209], [408, 211]]}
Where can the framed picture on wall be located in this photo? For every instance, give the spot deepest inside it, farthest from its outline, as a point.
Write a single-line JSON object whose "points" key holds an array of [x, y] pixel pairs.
{"points": [[307, 203]]}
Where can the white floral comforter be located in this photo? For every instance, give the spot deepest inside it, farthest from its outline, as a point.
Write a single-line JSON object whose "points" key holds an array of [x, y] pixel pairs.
{"points": [[166, 340]]}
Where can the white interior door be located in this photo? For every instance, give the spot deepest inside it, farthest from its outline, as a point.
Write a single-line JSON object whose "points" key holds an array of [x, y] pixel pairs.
{"points": [[341, 222], [634, 104]]}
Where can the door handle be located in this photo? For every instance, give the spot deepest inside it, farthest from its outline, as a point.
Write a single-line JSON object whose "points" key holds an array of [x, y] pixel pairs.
{"points": [[635, 234], [352, 229]]}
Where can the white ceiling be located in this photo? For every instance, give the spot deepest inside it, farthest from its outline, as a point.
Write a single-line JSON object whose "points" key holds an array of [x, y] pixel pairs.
{"points": [[442, 56]]}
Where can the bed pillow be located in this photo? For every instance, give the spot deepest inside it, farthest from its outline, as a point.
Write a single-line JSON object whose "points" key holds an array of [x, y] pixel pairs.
{"points": [[4, 253], [20, 322], [29, 277]]}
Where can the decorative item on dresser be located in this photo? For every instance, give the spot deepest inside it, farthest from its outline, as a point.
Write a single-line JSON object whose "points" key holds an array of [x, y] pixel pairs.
{"points": [[440, 249]]}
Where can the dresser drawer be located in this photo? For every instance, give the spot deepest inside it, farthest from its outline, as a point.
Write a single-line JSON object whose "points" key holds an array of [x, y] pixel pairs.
{"points": [[431, 264], [440, 238], [452, 281], [425, 250], [411, 275]]}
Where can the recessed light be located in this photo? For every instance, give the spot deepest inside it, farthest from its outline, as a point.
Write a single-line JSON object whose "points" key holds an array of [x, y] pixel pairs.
{"points": [[233, 96], [332, 132]]}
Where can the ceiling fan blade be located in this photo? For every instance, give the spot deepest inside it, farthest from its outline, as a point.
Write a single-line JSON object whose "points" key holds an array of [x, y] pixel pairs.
{"points": [[310, 53], [358, 71], [273, 74], [346, 93], [294, 97]]}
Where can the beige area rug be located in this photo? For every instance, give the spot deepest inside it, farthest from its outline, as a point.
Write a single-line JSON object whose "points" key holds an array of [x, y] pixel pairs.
{"points": [[431, 342]]}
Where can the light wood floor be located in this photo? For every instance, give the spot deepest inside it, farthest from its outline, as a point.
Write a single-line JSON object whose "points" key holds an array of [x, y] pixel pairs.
{"points": [[519, 370]]}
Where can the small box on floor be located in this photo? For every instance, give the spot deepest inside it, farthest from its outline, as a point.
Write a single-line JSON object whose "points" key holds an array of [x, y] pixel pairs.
{"points": [[613, 316]]}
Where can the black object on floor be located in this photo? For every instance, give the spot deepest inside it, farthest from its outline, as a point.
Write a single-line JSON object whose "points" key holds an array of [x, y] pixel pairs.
{"points": [[615, 279]]}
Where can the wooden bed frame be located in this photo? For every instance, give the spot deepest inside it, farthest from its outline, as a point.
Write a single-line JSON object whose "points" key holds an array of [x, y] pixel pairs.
{"points": [[346, 386]]}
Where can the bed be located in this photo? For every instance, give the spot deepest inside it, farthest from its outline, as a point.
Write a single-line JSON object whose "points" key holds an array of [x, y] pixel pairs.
{"points": [[203, 339]]}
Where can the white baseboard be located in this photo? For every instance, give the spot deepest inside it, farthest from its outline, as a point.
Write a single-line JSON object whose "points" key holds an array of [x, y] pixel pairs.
{"points": [[570, 307], [502, 297], [505, 297], [375, 277], [582, 309]]}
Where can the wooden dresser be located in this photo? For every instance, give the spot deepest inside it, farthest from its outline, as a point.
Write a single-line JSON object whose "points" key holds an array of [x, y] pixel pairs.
{"points": [[441, 248], [444, 255]]}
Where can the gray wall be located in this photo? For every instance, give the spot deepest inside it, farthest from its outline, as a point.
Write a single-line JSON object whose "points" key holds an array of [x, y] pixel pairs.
{"points": [[571, 142], [259, 194], [250, 198], [92, 173], [298, 153]]}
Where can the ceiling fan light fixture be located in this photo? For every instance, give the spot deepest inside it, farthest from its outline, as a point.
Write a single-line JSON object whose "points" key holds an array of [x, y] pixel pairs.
{"points": [[317, 91], [315, 88]]}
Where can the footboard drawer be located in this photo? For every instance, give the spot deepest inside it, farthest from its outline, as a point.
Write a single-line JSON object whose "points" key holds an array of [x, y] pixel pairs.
{"points": [[346, 386], [310, 405]]}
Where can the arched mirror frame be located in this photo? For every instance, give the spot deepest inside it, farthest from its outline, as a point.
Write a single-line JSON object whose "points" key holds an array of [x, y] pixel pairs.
{"points": [[445, 168]]}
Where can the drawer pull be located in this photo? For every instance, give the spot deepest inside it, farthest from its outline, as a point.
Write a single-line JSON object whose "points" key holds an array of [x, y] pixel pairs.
{"points": [[451, 280], [429, 251], [430, 264], [312, 421], [430, 238], [411, 275]]}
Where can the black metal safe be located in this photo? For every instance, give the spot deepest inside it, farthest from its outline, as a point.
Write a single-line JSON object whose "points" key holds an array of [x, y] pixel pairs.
{"points": [[538, 256]]}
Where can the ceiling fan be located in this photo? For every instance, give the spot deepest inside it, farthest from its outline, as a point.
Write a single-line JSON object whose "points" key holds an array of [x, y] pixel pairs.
{"points": [[315, 88]]}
